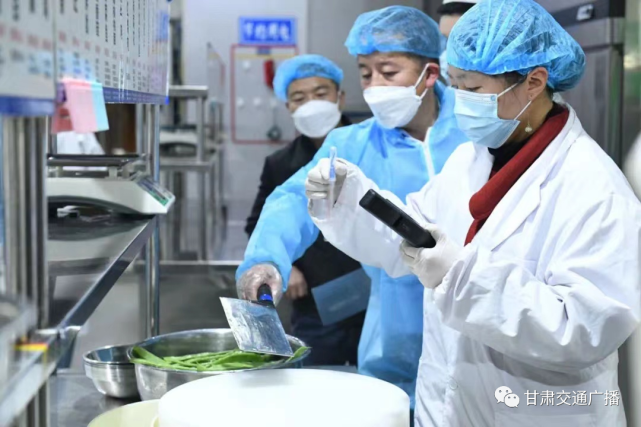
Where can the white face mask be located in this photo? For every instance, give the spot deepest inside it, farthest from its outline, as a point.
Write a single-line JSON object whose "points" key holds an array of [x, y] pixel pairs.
{"points": [[315, 119], [394, 106]]}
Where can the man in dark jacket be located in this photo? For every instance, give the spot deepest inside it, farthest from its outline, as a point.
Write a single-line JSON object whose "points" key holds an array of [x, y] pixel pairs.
{"points": [[310, 85]]}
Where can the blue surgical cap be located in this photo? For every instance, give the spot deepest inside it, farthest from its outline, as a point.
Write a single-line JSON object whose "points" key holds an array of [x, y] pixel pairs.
{"points": [[395, 29], [500, 36], [302, 67]]}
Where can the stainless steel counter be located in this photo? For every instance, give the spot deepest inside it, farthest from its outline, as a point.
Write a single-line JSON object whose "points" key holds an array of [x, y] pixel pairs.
{"points": [[86, 256], [75, 401]]}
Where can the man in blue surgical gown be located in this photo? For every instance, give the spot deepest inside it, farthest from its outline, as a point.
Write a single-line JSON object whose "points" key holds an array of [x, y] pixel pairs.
{"points": [[412, 134]]}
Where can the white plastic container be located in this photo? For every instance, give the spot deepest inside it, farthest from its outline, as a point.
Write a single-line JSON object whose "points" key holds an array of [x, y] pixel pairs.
{"points": [[142, 414], [286, 398]]}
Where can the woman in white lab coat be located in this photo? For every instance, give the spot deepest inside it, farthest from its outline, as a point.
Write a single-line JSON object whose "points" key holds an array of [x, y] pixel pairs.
{"points": [[534, 281]]}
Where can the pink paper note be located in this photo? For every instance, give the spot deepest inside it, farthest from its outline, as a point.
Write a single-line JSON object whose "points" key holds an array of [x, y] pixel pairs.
{"points": [[80, 112]]}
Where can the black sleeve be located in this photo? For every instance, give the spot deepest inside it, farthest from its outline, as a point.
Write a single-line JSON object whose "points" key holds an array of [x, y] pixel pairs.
{"points": [[267, 186]]}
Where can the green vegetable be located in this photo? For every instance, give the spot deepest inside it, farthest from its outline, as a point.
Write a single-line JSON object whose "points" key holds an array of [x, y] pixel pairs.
{"points": [[189, 357], [150, 358], [298, 353], [212, 362]]}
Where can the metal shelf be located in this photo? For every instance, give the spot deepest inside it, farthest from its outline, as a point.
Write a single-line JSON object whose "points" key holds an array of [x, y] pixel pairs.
{"points": [[20, 106], [194, 267], [188, 164], [188, 92], [87, 256], [116, 96]]}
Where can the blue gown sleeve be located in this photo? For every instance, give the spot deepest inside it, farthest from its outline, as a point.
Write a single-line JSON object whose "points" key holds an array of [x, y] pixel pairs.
{"points": [[284, 230]]}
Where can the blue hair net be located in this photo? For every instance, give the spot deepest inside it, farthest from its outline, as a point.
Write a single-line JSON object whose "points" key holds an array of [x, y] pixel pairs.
{"points": [[395, 29], [302, 67], [501, 36]]}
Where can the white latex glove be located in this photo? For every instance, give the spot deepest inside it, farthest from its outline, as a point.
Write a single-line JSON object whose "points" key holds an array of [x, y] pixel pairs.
{"points": [[317, 183], [260, 274], [431, 265]]}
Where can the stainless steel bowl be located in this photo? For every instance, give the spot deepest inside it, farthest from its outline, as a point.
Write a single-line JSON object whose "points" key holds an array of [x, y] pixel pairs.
{"points": [[153, 383], [111, 372]]}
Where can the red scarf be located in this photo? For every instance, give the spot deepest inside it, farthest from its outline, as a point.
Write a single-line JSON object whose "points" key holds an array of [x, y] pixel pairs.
{"points": [[482, 203]]}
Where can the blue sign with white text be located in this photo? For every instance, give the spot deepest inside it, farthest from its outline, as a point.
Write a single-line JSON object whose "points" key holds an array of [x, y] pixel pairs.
{"points": [[268, 31]]}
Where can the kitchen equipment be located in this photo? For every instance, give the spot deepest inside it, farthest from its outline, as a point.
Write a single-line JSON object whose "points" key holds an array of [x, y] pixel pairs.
{"points": [[16, 318], [74, 248], [153, 383], [286, 398], [256, 325], [269, 72], [111, 372], [141, 414], [119, 185], [178, 143], [606, 100], [275, 133]]}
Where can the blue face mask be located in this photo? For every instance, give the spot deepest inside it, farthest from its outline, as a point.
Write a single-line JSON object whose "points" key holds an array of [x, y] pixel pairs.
{"points": [[477, 116]]}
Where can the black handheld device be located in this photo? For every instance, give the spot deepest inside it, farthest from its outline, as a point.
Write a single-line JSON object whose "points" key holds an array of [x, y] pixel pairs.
{"points": [[392, 216]]}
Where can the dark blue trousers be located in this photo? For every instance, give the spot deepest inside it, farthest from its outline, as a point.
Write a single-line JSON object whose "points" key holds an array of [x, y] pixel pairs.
{"points": [[335, 344]]}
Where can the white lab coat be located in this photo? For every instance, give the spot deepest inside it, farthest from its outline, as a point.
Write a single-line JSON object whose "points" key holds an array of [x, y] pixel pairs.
{"points": [[540, 301]]}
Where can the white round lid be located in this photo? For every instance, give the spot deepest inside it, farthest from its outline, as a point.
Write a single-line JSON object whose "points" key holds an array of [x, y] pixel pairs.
{"points": [[286, 398]]}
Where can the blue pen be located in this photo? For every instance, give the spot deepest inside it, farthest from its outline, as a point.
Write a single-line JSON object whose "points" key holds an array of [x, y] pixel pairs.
{"points": [[332, 179]]}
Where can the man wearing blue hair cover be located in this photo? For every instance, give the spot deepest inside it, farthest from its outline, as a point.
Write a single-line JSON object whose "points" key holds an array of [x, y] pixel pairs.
{"points": [[412, 134], [310, 86]]}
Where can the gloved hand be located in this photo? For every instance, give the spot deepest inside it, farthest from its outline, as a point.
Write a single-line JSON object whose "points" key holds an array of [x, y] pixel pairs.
{"points": [[431, 265], [260, 274], [317, 184]]}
